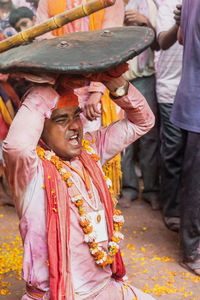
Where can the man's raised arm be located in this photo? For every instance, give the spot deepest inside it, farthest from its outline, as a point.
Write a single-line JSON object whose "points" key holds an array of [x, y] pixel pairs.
{"points": [[19, 148], [114, 138]]}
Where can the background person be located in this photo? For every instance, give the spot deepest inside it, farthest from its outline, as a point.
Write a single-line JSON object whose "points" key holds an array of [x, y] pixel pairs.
{"points": [[185, 114], [141, 74], [169, 66], [5, 8], [22, 18]]}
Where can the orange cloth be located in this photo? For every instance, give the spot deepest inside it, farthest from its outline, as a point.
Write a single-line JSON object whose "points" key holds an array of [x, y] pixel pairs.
{"points": [[67, 99], [96, 20], [110, 74]]}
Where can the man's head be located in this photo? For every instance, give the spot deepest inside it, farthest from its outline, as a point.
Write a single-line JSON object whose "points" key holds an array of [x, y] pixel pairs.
{"points": [[5, 4], [22, 18], [63, 132]]}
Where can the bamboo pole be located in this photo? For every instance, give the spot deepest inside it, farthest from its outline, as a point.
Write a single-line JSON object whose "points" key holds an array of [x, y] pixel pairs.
{"points": [[55, 22]]}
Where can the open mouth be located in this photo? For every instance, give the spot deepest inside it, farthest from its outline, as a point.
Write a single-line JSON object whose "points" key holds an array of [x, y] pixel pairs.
{"points": [[74, 140]]}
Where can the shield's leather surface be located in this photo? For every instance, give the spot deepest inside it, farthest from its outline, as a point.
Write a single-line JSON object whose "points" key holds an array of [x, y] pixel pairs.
{"points": [[78, 53]]}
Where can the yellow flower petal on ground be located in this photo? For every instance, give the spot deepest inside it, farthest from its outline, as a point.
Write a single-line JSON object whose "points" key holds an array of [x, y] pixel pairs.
{"points": [[131, 247]]}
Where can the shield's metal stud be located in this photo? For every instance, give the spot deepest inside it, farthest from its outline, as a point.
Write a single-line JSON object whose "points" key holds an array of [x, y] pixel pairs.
{"points": [[107, 33], [63, 44]]}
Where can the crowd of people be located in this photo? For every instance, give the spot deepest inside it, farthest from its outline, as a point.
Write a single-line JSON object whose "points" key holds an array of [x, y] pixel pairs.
{"points": [[163, 79]]}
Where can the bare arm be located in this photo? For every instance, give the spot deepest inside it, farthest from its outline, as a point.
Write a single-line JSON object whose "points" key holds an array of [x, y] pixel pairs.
{"points": [[166, 39], [19, 148]]}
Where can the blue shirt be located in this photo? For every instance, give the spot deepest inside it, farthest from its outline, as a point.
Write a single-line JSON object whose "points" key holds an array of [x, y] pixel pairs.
{"points": [[186, 109]]}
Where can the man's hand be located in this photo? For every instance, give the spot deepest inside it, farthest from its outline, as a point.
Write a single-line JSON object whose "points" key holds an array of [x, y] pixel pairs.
{"points": [[9, 31], [76, 81], [177, 14], [109, 75], [68, 81], [91, 110], [133, 17]]}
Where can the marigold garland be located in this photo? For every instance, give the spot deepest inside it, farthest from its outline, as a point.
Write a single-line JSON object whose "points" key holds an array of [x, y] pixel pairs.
{"points": [[86, 146], [101, 257]]}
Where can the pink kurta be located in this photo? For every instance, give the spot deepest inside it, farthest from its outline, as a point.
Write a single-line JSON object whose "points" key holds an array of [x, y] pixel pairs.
{"points": [[24, 173]]}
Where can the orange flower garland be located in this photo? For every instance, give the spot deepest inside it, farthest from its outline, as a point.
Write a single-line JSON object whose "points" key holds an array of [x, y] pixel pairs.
{"points": [[55, 160], [101, 257], [86, 146]]}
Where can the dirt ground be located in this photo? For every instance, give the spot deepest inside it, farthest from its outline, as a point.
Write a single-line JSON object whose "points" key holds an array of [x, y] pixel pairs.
{"points": [[150, 252]]}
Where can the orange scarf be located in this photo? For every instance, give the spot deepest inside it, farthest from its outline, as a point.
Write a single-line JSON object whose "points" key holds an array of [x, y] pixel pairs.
{"points": [[60, 6], [58, 227]]}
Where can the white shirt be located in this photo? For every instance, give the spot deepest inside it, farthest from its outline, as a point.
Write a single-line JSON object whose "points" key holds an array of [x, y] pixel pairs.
{"points": [[148, 69], [169, 63]]}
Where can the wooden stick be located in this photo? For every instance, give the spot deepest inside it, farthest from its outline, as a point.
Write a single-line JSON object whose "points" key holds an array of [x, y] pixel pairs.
{"points": [[55, 22]]}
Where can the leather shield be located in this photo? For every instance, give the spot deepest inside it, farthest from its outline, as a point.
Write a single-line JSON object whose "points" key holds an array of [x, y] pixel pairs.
{"points": [[78, 53]]}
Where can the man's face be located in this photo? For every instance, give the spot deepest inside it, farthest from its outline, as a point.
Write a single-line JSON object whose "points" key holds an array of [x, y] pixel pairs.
{"points": [[5, 4], [63, 132], [24, 23]]}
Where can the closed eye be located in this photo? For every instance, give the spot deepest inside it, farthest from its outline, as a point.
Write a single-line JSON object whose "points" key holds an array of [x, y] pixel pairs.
{"points": [[61, 120]]}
